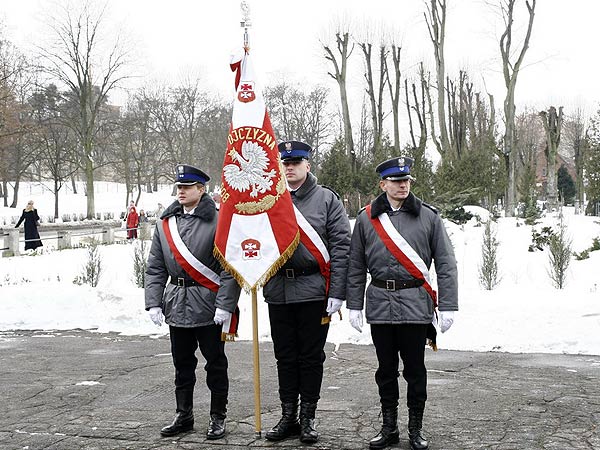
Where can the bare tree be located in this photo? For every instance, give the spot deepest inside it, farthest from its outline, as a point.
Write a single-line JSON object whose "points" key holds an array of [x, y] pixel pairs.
{"points": [[14, 80], [394, 90], [436, 25], [189, 102], [300, 113], [55, 141], [511, 70], [135, 146], [529, 139], [339, 74], [552, 126], [375, 92], [419, 107], [164, 123], [574, 131], [75, 60]]}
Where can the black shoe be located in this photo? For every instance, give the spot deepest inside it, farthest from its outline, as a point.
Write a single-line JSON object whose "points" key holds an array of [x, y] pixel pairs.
{"points": [[389, 433], [308, 433], [216, 427], [183, 422], [415, 424], [384, 439], [417, 441], [288, 425]]}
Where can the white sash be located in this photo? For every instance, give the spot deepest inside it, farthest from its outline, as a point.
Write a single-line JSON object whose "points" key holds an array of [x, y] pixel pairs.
{"points": [[404, 246], [187, 255], [312, 234]]}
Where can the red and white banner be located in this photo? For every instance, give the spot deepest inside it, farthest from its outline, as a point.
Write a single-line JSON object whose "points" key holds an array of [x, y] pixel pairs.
{"points": [[257, 230]]}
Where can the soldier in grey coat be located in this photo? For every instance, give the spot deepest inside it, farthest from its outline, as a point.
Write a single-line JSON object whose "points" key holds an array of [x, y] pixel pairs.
{"points": [[301, 298], [194, 304], [396, 239]]}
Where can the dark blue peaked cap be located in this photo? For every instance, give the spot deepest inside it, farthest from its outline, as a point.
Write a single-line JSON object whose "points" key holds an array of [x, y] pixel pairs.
{"points": [[396, 169], [294, 150], [188, 175]]}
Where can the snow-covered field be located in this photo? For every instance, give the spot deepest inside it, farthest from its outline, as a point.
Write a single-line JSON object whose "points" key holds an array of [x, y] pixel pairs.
{"points": [[525, 313]]}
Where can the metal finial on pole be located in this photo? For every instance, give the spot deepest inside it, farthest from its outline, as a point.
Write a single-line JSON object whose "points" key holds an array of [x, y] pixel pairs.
{"points": [[245, 23]]}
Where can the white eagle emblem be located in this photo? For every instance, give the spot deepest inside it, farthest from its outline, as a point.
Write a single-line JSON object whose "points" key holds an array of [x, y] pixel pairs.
{"points": [[251, 171]]}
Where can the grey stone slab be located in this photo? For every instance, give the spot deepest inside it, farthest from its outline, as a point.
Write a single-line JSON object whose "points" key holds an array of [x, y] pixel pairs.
{"points": [[81, 390]]}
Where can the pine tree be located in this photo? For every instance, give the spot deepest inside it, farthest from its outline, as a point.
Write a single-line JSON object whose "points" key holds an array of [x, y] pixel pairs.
{"points": [[560, 247], [140, 262], [90, 273], [566, 186], [592, 167], [488, 269]]}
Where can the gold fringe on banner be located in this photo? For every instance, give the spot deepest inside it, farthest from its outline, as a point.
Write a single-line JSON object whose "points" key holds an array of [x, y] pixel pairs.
{"points": [[278, 264], [228, 337]]}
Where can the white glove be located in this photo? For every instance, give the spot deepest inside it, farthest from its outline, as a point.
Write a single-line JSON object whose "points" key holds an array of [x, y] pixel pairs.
{"points": [[156, 315], [446, 320], [356, 319], [333, 305], [221, 316]]}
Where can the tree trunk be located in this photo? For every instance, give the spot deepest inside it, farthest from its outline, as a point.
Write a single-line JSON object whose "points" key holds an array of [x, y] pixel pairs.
{"points": [[56, 189], [340, 68], [552, 125], [89, 188], [15, 193], [395, 97], [5, 193], [436, 24], [511, 72]]}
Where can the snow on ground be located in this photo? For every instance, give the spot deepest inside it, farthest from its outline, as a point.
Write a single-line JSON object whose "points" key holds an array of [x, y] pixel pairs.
{"points": [[525, 313]]}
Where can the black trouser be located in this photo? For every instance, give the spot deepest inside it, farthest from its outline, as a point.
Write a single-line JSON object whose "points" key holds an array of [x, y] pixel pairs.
{"points": [[409, 341], [184, 342], [298, 341]]}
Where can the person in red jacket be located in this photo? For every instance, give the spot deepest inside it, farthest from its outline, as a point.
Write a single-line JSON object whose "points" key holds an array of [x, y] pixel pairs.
{"points": [[132, 221]]}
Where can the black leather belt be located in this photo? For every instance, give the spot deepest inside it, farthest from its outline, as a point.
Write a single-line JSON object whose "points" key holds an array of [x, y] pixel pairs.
{"points": [[394, 285], [294, 273], [183, 282]]}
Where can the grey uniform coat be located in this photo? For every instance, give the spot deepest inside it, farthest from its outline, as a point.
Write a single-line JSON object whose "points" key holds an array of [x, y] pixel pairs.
{"points": [[192, 306], [422, 228], [323, 209]]}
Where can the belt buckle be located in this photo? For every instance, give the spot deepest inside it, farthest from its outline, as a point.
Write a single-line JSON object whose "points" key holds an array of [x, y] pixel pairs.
{"points": [[289, 273], [390, 285], [181, 282]]}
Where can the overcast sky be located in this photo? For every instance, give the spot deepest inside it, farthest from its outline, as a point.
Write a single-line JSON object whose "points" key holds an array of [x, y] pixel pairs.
{"points": [[180, 37]]}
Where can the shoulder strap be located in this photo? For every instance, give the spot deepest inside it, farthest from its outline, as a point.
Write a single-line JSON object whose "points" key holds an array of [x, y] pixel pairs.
{"points": [[313, 242], [402, 251], [188, 262], [315, 245]]}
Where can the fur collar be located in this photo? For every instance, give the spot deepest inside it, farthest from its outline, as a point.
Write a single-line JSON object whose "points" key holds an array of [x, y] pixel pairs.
{"points": [[205, 210], [309, 184], [380, 205]]}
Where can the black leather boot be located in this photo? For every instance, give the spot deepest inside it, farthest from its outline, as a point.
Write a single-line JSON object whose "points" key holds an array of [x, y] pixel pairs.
{"points": [[218, 413], [308, 434], [415, 425], [389, 433], [184, 420], [288, 425]]}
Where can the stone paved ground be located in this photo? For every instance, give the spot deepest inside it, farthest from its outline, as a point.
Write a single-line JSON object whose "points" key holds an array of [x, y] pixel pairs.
{"points": [[476, 400]]}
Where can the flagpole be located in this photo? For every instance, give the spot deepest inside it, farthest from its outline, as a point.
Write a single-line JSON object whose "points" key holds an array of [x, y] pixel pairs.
{"points": [[256, 364], [245, 23]]}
